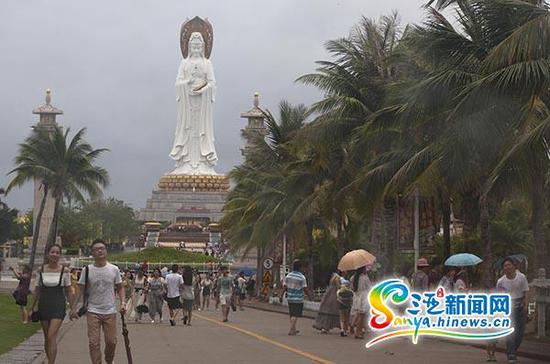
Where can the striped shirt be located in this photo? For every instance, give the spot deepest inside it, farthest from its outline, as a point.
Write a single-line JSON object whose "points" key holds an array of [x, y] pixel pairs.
{"points": [[295, 283]]}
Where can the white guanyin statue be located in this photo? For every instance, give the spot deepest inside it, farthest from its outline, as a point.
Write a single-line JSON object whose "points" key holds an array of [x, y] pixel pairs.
{"points": [[193, 148]]}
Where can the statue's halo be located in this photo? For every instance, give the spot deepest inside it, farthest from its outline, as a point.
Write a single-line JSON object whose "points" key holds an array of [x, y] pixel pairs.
{"points": [[196, 25]]}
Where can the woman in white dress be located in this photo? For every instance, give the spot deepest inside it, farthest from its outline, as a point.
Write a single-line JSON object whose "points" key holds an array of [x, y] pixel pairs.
{"points": [[361, 285], [140, 295]]}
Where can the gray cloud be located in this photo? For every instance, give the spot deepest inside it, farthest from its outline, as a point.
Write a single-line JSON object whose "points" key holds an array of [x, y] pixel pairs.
{"points": [[112, 64]]}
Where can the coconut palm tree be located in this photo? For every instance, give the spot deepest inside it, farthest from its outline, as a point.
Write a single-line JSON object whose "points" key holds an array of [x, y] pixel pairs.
{"points": [[257, 209], [355, 84], [482, 81], [517, 68], [65, 168]]}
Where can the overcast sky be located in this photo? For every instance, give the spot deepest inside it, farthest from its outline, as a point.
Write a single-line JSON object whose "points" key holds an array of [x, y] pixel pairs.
{"points": [[111, 66]]}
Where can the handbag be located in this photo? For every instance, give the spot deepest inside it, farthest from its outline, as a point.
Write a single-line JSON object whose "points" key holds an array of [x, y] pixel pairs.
{"points": [[84, 309], [35, 316], [142, 308], [233, 306]]}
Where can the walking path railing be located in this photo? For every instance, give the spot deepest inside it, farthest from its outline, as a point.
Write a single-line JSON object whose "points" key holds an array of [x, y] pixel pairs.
{"points": [[202, 267]]}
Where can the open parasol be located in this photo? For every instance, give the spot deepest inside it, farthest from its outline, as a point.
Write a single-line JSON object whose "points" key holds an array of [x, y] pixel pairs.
{"points": [[463, 260], [126, 340], [356, 259]]}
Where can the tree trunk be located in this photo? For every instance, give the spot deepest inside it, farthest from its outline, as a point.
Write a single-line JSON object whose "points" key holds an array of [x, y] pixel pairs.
{"points": [[52, 232], [340, 248], [36, 229], [470, 204], [277, 279], [259, 271], [537, 221], [446, 220], [376, 230], [486, 241], [310, 260]]}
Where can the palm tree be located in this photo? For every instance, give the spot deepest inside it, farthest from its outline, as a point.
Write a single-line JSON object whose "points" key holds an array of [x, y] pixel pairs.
{"points": [[485, 81], [355, 85], [257, 209], [518, 68], [64, 167], [458, 110]]}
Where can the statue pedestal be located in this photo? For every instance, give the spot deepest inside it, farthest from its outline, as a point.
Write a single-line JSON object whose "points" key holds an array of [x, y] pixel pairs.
{"points": [[183, 198]]}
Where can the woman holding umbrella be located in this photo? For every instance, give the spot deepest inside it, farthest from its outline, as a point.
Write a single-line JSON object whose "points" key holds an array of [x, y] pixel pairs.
{"points": [[358, 260], [448, 280], [462, 260], [462, 282]]}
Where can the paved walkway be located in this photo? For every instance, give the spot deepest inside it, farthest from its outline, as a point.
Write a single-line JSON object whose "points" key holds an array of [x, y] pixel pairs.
{"points": [[26, 352], [254, 336], [530, 347]]}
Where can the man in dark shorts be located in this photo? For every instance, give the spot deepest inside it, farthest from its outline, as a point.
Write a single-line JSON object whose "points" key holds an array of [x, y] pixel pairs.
{"points": [[173, 283], [295, 285]]}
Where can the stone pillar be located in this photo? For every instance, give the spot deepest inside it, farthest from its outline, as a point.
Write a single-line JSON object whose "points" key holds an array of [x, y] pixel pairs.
{"points": [[542, 299], [255, 125], [46, 121]]}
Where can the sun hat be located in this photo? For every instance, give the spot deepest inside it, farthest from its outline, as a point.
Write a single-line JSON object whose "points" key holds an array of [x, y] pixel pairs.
{"points": [[422, 262]]}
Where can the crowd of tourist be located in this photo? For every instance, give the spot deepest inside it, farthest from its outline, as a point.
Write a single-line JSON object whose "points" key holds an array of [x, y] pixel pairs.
{"points": [[345, 303], [183, 289], [93, 293]]}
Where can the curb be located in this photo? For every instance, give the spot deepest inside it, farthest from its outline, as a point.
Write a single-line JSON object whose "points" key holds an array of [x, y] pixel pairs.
{"points": [[526, 354]]}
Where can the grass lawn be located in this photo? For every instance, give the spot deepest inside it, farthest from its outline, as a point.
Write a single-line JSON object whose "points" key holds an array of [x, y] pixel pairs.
{"points": [[12, 331], [153, 255]]}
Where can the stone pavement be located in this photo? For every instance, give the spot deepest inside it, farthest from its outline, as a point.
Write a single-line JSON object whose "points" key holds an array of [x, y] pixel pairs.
{"points": [[25, 352], [254, 336], [251, 336]]}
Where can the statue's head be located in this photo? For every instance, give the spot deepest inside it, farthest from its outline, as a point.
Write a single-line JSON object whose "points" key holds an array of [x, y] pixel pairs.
{"points": [[196, 44]]}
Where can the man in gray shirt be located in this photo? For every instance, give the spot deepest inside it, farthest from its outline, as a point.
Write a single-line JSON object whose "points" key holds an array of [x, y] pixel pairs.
{"points": [[102, 279]]}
